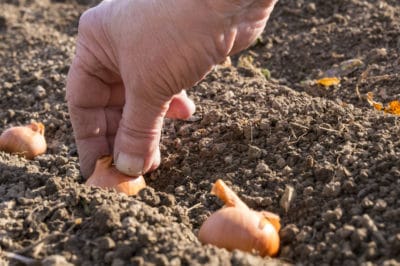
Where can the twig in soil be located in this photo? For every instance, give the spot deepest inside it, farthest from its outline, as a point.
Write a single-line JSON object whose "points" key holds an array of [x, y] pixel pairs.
{"points": [[298, 139], [360, 79], [25, 249], [38, 189], [299, 125], [329, 129], [287, 197], [383, 77], [292, 131], [51, 210], [37, 250], [251, 133], [194, 207], [22, 259], [46, 238]]}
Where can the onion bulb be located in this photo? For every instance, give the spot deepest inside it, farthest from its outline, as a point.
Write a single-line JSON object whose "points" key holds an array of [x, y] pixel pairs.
{"points": [[27, 141], [236, 226], [105, 175]]}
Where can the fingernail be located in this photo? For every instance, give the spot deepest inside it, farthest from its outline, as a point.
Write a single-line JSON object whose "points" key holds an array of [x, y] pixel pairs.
{"points": [[130, 164]]}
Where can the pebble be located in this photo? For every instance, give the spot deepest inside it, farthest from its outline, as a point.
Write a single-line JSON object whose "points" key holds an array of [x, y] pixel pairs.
{"points": [[254, 152], [55, 260], [331, 189], [288, 233], [40, 92], [346, 231], [228, 159], [281, 163], [367, 203], [117, 262], [333, 215], [380, 205], [105, 243], [308, 191], [359, 235], [262, 168]]}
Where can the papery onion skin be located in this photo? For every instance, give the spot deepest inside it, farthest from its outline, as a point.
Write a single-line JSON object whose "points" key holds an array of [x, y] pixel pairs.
{"points": [[27, 141], [105, 175]]}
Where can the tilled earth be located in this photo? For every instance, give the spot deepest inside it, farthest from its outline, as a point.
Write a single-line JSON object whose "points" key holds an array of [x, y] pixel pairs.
{"points": [[262, 124]]}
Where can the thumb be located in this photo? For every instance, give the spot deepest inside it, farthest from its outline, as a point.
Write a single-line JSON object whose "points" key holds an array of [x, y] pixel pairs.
{"points": [[136, 147]]}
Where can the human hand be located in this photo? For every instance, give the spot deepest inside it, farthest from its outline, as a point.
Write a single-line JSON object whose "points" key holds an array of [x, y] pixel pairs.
{"points": [[133, 61]]}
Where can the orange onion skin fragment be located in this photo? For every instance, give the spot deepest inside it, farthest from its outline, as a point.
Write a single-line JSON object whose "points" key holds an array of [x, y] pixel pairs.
{"points": [[27, 141], [105, 175]]}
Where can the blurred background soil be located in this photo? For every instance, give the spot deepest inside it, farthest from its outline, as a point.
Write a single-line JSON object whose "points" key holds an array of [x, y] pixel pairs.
{"points": [[262, 124]]}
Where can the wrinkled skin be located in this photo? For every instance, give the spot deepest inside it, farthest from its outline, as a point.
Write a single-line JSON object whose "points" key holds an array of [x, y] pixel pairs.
{"points": [[134, 58]]}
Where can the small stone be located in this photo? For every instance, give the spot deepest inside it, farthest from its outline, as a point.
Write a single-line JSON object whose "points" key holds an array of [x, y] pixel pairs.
{"points": [[349, 186], [105, 243], [311, 7], [40, 92], [333, 215], [185, 130], [288, 233], [281, 162], [117, 262], [308, 191], [7, 85], [380, 205], [331, 189], [137, 261], [359, 235], [180, 190], [262, 168], [254, 152], [304, 234], [229, 95], [346, 231], [367, 203], [228, 159], [11, 113], [287, 170], [55, 260], [390, 262], [372, 250], [377, 54], [161, 259]]}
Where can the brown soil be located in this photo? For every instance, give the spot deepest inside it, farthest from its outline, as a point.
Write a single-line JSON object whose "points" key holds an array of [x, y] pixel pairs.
{"points": [[340, 155]]}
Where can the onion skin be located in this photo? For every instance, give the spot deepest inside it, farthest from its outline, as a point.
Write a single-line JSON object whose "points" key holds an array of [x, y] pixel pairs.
{"points": [[27, 141], [105, 175], [236, 226]]}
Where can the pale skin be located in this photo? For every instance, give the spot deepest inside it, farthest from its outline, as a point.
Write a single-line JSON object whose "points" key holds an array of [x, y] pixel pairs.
{"points": [[135, 58]]}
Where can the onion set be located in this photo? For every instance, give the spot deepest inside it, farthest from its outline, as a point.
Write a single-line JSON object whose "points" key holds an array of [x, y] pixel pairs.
{"points": [[105, 175], [236, 226], [27, 141]]}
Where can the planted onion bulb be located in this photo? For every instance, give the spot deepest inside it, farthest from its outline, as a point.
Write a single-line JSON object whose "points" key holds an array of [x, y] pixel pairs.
{"points": [[27, 141], [236, 226], [105, 175]]}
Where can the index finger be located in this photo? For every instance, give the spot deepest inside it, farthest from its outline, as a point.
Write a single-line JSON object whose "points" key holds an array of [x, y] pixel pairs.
{"points": [[95, 108]]}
